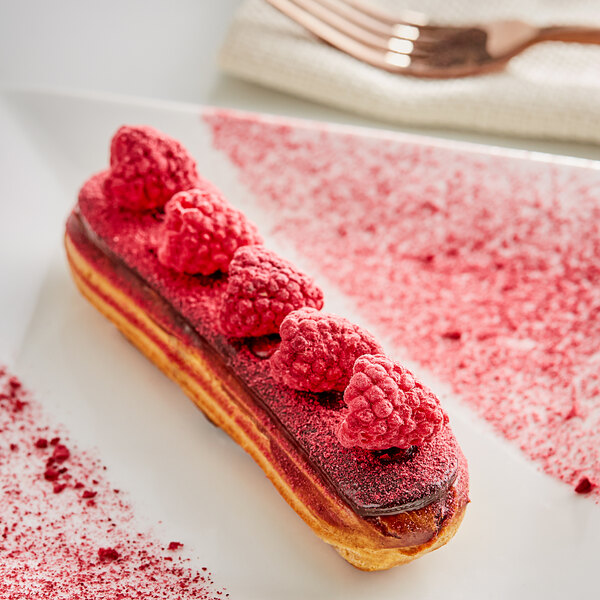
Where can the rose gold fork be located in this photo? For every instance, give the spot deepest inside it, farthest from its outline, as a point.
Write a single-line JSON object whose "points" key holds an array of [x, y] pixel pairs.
{"points": [[409, 44]]}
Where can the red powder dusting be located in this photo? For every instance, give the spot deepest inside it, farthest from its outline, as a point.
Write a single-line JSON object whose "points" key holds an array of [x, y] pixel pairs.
{"points": [[52, 545], [485, 269]]}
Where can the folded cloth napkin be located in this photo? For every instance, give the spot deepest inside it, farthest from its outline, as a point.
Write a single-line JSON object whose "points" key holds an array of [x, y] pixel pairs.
{"points": [[551, 90]]}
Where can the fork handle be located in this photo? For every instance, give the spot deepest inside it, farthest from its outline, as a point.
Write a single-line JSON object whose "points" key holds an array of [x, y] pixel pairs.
{"points": [[579, 34]]}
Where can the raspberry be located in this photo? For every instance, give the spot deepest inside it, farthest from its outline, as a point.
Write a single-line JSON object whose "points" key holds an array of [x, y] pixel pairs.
{"points": [[262, 290], [147, 168], [201, 232], [317, 351], [388, 407]]}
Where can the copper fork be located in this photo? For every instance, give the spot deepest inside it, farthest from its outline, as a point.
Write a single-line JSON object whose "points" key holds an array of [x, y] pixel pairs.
{"points": [[409, 44]]}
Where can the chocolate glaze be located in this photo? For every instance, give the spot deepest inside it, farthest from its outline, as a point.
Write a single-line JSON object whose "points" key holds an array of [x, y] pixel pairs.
{"points": [[187, 306]]}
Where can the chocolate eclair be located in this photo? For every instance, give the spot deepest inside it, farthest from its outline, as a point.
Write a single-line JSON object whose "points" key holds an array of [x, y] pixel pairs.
{"points": [[184, 277]]}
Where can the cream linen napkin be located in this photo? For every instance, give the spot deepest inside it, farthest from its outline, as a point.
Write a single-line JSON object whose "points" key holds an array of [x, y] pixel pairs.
{"points": [[550, 91]]}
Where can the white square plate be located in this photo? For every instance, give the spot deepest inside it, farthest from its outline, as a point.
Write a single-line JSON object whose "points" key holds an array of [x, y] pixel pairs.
{"points": [[525, 534]]}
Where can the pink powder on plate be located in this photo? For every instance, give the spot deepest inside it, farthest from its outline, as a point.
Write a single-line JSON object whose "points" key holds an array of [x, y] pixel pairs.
{"points": [[58, 544], [484, 268]]}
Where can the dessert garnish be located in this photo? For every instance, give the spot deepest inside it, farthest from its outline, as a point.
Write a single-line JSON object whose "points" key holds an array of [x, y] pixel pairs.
{"points": [[388, 407], [318, 351], [202, 231], [147, 168], [262, 289]]}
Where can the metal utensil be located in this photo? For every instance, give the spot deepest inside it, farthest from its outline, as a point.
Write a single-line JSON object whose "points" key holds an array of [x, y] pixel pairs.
{"points": [[409, 44]]}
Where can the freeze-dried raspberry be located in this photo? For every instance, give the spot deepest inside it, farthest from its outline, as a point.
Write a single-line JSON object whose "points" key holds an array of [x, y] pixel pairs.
{"points": [[201, 232], [317, 351], [388, 407], [147, 168], [261, 291]]}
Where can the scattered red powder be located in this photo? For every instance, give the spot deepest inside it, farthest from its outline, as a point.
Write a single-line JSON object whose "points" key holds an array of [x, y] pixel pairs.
{"points": [[484, 268], [52, 543]]}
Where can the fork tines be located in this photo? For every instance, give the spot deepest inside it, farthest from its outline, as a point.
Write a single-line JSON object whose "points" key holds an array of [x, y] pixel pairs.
{"points": [[360, 30]]}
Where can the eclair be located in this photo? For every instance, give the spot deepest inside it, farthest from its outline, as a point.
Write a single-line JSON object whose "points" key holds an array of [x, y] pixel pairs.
{"points": [[353, 441]]}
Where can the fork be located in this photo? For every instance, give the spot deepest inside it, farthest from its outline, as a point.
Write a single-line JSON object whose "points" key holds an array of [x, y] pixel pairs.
{"points": [[409, 44]]}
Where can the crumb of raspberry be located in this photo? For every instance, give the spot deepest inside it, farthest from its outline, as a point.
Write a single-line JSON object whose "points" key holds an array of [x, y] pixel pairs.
{"points": [[175, 546], [51, 474], [201, 232], [147, 168], [584, 486], [108, 554], [59, 487], [61, 453], [317, 351], [388, 407], [262, 290]]}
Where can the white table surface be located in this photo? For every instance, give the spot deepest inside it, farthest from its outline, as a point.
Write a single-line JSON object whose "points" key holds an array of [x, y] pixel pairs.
{"points": [[162, 50]]}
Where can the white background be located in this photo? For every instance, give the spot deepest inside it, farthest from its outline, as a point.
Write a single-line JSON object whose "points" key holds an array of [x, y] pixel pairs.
{"points": [[164, 50]]}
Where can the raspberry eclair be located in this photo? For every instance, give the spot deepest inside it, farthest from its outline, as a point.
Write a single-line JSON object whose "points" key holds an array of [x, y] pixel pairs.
{"points": [[357, 446]]}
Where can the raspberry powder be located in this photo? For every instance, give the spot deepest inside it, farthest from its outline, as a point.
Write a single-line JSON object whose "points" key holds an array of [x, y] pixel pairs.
{"points": [[65, 533]]}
